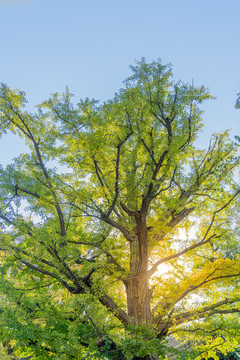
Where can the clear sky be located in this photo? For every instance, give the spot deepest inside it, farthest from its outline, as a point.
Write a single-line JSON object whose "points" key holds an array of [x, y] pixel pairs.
{"points": [[89, 45]]}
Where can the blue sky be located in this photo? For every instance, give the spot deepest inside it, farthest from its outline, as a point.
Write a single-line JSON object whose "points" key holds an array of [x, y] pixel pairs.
{"points": [[89, 45]]}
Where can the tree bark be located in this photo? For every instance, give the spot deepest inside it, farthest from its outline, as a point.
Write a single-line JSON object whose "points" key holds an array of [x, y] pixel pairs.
{"points": [[137, 289], [138, 299]]}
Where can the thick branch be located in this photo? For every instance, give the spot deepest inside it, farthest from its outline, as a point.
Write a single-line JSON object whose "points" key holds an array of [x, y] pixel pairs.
{"points": [[208, 314], [205, 281], [27, 132], [124, 231], [46, 262], [27, 192], [173, 222], [149, 195], [116, 188], [8, 221], [180, 253], [192, 315], [119, 313]]}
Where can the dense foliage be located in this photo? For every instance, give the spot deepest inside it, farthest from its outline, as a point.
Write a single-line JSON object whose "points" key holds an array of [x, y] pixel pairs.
{"points": [[117, 233]]}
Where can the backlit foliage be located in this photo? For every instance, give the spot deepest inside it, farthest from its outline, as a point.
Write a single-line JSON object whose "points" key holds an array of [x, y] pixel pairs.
{"points": [[117, 232]]}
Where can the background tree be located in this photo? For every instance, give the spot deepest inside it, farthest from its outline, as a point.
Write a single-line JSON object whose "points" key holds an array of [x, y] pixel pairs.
{"points": [[237, 105], [116, 230]]}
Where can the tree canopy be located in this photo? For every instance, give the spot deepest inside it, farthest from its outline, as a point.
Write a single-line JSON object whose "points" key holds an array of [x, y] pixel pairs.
{"points": [[117, 232]]}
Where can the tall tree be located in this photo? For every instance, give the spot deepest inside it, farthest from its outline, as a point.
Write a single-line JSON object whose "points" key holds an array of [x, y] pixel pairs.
{"points": [[116, 230]]}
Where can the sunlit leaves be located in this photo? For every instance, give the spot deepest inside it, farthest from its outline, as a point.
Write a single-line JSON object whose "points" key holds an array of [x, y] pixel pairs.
{"points": [[109, 194]]}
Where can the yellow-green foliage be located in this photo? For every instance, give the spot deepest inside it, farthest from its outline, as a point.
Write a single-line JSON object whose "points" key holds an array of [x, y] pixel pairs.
{"points": [[111, 195]]}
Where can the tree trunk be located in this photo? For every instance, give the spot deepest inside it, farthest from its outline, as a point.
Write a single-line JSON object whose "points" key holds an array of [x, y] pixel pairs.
{"points": [[138, 299], [137, 288], [138, 294]]}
